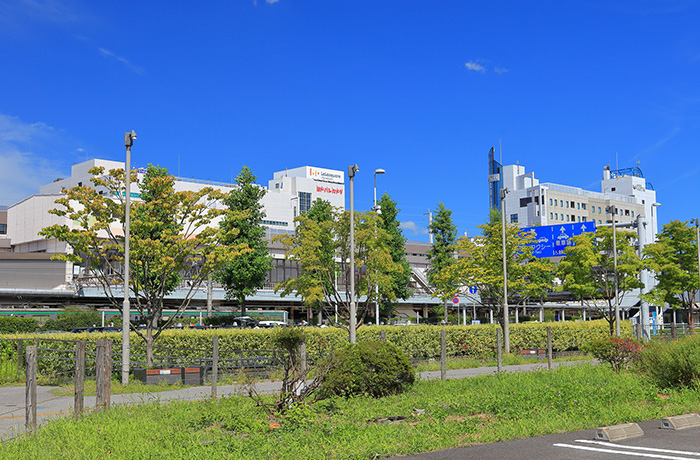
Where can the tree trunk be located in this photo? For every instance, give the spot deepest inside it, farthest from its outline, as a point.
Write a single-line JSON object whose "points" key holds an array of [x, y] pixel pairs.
{"points": [[445, 308], [243, 309], [149, 346]]}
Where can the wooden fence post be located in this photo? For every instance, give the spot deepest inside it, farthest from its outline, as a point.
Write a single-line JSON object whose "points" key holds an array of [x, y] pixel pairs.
{"points": [[79, 378], [30, 415], [214, 366], [104, 373], [443, 354], [549, 347], [499, 353]]}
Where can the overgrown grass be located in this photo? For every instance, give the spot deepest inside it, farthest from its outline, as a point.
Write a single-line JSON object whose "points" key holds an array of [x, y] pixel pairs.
{"points": [[437, 415]]}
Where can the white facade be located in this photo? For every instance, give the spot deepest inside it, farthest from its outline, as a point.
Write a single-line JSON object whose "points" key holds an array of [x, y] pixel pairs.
{"points": [[530, 203], [290, 193]]}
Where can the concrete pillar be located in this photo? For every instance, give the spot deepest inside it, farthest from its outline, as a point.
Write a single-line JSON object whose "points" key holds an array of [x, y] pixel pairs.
{"points": [[563, 314], [541, 314], [491, 316]]}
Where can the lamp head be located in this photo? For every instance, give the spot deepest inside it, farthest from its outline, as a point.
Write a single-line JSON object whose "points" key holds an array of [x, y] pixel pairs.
{"points": [[379, 171], [352, 170], [129, 138]]}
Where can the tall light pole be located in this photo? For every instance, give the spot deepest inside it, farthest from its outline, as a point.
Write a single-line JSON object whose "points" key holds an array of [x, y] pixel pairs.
{"points": [[126, 313], [612, 210], [506, 319], [353, 314], [378, 210]]}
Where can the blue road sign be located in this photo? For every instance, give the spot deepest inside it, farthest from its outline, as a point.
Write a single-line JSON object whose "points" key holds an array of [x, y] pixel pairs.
{"points": [[472, 290], [552, 240]]}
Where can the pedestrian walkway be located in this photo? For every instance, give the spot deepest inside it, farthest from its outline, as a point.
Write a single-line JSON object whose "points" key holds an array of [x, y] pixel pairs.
{"points": [[50, 407]]}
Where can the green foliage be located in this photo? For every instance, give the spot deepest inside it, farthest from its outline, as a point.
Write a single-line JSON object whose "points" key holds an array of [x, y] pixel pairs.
{"points": [[244, 275], [673, 364], [618, 352], [400, 283], [441, 252], [72, 319], [368, 368], [674, 260], [17, 325]]}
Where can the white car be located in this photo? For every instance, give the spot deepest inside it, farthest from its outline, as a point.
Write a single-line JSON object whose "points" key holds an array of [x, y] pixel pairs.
{"points": [[273, 324]]}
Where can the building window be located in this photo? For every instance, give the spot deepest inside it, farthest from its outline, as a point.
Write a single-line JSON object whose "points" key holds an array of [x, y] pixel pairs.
{"points": [[584, 218], [598, 213], [578, 206], [304, 202], [567, 217], [3, 229], [599, 221], [550, 202], [572, 205], [513, 218], [578, 218], [632, 213], [551, 216], [561, 203], [567, 204]]}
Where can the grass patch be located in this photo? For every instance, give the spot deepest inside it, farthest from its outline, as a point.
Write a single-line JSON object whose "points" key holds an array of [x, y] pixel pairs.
{"points": [[508, 360], [432, 415]]}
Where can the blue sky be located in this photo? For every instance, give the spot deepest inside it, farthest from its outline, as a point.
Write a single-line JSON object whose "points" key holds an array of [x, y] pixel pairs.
{"points": [[421, 89]]}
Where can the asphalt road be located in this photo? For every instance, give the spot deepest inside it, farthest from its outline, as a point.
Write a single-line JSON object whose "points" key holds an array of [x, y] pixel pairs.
{"points": [[656, 443]]}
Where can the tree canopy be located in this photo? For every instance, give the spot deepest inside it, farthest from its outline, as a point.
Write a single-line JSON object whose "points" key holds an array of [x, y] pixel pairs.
{"points": [[170, 236], [244, 275]]}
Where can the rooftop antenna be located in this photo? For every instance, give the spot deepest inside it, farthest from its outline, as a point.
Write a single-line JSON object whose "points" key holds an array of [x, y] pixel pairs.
{"points": [[178, 165], [617, 164], [500, 151]]}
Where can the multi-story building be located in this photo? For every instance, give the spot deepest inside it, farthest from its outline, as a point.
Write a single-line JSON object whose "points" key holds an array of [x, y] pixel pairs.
{"points": [[529, 203]]}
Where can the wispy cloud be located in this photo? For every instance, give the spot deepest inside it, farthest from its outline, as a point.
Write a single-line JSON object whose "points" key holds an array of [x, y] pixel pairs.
{"points": [[21, 17], [481, 66], [22, 168], [110, 55], [475, 66], [412, 228], [656, 145]]}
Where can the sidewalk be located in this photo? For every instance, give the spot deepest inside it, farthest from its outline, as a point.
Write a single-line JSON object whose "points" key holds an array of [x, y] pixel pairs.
{"points": [[50, 407]]}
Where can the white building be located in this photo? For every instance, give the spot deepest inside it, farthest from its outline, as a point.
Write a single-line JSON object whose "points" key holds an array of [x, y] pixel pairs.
{"points": [[290, 193], [530, 203]]}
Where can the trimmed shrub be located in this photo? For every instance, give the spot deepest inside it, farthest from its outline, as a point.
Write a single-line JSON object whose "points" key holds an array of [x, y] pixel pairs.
{"points": [[69, 320], [617, 352], [368, 368], [672, 364], [17, 325]]}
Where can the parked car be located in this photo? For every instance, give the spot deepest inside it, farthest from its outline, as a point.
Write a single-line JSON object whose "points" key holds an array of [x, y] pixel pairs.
{"points": [[272, 324], [246, 321]]}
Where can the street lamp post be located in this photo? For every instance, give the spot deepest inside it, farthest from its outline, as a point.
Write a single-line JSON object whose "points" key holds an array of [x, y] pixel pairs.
{"points": [[378, 210], [353, 315], [612, 210], [126, 314], [506, 319]]}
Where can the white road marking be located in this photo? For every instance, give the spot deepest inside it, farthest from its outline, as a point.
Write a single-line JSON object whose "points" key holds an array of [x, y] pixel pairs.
{"points": [[648, 449], [620, 452]]}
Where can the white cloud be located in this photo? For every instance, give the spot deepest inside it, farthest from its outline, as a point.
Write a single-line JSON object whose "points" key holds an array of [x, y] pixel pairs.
{"points": [[500, 70], [110, 55], [22, 170], [475, 66], [414, 229]]}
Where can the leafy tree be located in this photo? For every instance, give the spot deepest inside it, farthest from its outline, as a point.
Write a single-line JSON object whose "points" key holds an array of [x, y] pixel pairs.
{"points": [[589, 268], [401, 280], [480, 264], [321, 211], [244, 275], [441, 253], [171, 235], [674, 260], [322, 251]]}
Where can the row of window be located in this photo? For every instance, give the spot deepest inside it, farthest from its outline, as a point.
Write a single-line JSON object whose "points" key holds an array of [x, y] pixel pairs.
{"points": [[573, 204], [274, 222]]}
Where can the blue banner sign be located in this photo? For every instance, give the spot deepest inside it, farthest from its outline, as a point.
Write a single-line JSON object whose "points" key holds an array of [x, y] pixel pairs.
{"points": [[552, 240]]}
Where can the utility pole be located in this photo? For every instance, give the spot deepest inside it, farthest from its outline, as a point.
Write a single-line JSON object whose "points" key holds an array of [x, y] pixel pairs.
{"points": [[126, 307], [353, 314]]}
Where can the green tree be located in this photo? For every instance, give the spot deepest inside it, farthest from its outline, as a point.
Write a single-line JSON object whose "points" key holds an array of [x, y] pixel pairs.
{"points": [[322, 251], [171, 235], [591, 269], [400, 285], [480, 264], [244, 275], [441, 254], [674, 260]]}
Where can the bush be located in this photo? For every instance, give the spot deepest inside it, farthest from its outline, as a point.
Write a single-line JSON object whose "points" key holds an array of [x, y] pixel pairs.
{"points": [[617, 352], [368, 368], [673, 364], [17, 325], [73, 319]]}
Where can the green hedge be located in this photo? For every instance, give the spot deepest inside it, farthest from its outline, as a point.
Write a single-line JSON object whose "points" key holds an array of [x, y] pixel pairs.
{"points": [[420, 341], [17, 325]]}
